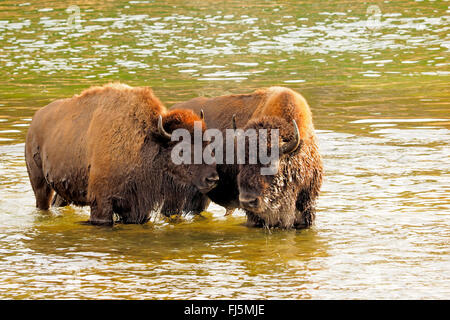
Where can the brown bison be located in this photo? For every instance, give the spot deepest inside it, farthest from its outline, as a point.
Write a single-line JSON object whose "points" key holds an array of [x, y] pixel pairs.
{"points": [[110, 148], [287, 198]]}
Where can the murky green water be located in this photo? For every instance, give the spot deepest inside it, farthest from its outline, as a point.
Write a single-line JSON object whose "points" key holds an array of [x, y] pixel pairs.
{"points": [[377, 79]]}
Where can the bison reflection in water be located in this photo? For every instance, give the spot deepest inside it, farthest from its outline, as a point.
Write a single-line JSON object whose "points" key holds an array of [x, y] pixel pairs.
{"points": [[110, 148], [287, 198]]}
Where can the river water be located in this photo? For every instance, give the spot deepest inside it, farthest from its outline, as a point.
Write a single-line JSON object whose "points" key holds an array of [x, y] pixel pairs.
{"points": [[377, 78]]}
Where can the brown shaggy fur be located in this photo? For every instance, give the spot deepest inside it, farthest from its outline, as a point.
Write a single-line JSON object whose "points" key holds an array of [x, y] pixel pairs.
{"points": [[102, 148], [288, 197]]}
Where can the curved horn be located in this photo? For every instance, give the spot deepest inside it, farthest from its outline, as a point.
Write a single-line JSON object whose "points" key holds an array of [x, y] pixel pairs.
{"points": [[292, 145], [202, 114], [161, 129], [233, 120]]}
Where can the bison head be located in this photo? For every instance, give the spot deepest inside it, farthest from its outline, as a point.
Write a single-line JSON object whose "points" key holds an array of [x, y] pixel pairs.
{"points": [[203, 176], [269, 199]]}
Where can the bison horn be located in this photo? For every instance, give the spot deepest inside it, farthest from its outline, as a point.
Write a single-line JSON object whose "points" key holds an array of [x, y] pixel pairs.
{"points": [[161, 129], [292, 145], [202, 114], [233, 120]]}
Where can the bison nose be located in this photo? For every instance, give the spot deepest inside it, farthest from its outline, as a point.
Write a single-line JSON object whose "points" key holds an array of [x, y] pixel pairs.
{"points": [[251, 202]]}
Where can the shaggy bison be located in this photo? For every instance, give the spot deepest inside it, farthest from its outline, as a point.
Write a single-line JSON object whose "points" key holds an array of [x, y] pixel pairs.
{"points": [[110, 148], [287, 198]]}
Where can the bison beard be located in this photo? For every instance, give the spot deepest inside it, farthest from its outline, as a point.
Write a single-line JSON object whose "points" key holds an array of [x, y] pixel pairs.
{"points": [[286, 199], [109, 148]]}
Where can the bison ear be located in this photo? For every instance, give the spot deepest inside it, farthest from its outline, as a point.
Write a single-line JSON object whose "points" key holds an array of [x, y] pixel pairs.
{"points": [[286, 147], [294, 144]]}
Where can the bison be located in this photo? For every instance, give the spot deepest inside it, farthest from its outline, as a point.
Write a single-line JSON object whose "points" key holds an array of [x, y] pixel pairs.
{"points": [[110, 148], [287, 198]]}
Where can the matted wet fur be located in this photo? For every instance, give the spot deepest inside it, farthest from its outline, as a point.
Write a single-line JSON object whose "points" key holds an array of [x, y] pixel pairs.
{"points": [[287, 199], [103, 148]]}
